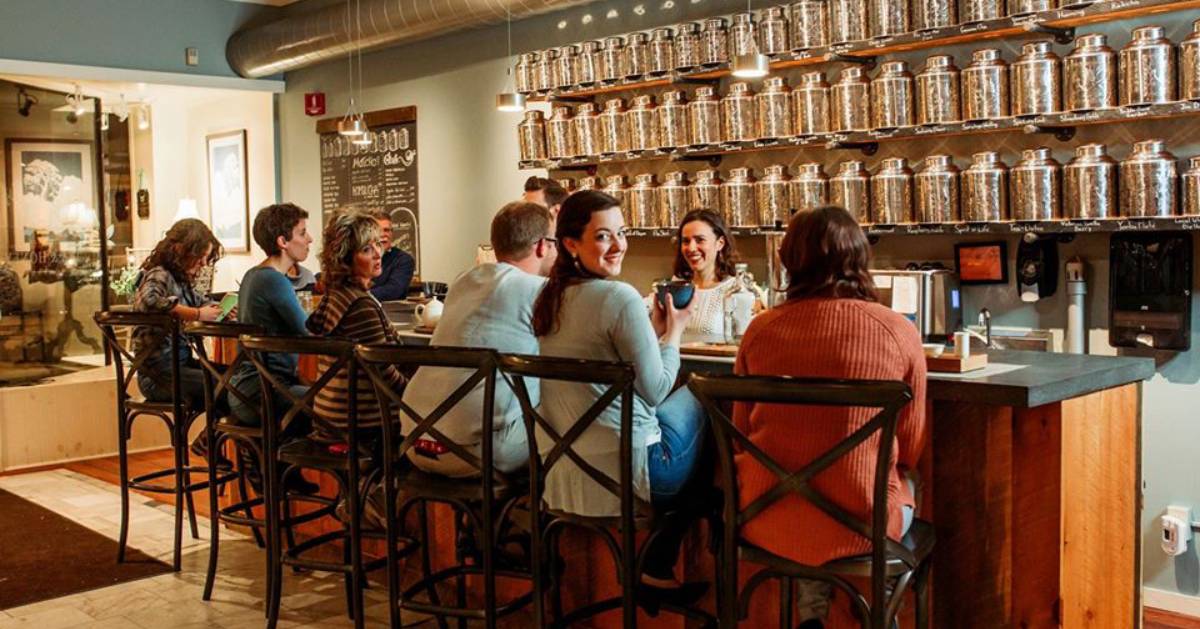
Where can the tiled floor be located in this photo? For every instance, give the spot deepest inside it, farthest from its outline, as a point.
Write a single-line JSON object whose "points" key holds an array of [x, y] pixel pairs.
{"points": [[172, 600]]}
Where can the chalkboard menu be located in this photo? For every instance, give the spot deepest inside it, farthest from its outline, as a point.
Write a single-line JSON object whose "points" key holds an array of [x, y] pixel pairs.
{"points": [[382, 175]]}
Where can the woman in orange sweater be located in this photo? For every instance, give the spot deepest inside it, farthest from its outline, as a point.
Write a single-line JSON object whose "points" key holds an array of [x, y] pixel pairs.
{"points": [[830, 327]]}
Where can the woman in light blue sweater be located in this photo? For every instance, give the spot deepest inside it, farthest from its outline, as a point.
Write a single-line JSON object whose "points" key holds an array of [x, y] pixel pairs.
{"points": [[582, 313]]}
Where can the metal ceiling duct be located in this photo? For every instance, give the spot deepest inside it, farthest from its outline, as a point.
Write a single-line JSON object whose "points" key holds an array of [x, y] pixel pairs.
{"points": [[321, 35]]}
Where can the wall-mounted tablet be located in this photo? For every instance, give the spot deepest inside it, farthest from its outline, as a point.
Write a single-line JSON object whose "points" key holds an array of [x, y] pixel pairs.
{"points": [[982, 262]]}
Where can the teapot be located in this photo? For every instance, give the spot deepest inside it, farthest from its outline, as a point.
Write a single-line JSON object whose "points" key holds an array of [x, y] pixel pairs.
{"points": [[429, 313]]}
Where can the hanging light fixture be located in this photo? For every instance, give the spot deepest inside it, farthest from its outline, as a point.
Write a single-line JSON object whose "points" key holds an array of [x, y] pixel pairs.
{"points": [[754, 64], [77, 102], [352, 124], [143, 118], [510, 100]]}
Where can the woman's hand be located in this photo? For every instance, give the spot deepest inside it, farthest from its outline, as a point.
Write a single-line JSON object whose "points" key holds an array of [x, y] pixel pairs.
{"points": [[208, 313], [676, 320], [233, 314]]}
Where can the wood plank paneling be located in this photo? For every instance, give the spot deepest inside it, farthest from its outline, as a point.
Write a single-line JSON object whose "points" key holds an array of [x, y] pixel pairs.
{"points": [[1037, 523]]}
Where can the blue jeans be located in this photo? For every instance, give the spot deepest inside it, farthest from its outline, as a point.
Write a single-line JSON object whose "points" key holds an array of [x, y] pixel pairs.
{"points": [[678, 480]]}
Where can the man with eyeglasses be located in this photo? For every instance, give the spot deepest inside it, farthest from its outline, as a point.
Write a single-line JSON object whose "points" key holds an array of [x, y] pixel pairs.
{"points": [[489, 306]]}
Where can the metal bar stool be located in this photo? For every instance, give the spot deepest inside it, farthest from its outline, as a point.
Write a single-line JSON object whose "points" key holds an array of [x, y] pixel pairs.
{"points": [[175, 415], [344, 462], [891, 566], [246, 438], [636, 514], [484, 502]]}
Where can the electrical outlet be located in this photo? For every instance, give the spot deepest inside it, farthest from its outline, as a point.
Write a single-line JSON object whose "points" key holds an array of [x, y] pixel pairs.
{"points": [[1176, 530], [192, 56]]}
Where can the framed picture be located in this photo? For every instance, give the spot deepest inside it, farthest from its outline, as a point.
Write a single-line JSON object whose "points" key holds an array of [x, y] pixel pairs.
{"points": [[51, 186], [228, 196]]}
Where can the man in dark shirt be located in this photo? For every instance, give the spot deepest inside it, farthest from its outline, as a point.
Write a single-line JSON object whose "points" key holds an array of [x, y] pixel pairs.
{"points": [[398, 266], [545, 192]]}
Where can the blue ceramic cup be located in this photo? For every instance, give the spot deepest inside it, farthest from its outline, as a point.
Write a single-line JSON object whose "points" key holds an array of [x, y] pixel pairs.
{"points": [[681, 292]]}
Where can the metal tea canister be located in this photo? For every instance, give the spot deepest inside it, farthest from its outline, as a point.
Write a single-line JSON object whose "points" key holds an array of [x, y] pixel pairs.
{"points": [[810, 102], [568, 66], [1189, 65], [614, 132], [809, 24], [714, 41], [637, 54], [662, 51], [773, 196], [642, 199], [888, 17], [774, 109], [688, 46], [587, 64], [743, 35], [525, 73], [773, 31], [531, 136], [892, 97], [545, 72], [892, 192], [984, 189], [938, 92], [612, 59], [614, 186], [985, 87], [674, 198], [848, 21], [1090, 75], [589, 183], [1149, 179], [937, 190], [706, 191], [850, 189], [567, 184], [1147, 68], [642, 121], [560, 138], [704, 117], [1035, 187], [1090, 184], [1191, 188], [929, 15], [585, 126], [850, 101], [810, 187], [738, 120], [1026, 7], [972, 11], [672, 120], [1035, 79], [737, 198]]}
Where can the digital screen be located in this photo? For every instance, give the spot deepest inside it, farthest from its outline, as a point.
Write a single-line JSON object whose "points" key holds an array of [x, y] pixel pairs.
{"points": [[982, 263]]}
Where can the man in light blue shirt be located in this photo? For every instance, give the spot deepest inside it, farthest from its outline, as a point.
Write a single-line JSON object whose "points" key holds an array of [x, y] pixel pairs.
{"points": [[489, 306]]}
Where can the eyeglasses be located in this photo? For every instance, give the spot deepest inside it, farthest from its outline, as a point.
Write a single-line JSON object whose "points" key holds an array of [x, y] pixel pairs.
{"points": [[553, 241]]}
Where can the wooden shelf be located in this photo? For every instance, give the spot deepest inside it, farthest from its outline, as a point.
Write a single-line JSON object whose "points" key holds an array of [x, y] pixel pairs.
{"points": [[1061, 125], [1062, 18], [1174, 223]]}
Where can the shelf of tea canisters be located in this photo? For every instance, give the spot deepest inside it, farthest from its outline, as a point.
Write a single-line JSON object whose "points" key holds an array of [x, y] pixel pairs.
{"points": [[1057, 22], [1061, 125], [1172, 223]]}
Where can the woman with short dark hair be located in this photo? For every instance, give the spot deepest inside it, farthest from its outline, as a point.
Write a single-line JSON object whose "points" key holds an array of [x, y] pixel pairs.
{"points": [[830, 327]]}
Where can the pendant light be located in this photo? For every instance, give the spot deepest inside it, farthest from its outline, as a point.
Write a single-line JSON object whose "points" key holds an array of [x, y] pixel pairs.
{"points": [[510, 100], [754, 64], [366, 138], [351, 124]]}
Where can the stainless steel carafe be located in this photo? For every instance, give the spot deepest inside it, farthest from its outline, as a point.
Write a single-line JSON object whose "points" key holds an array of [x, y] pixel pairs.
{"points": [[568, 66], [1036, 76], [546, 71], [810, 187], [643, 202], [773, 196], [737, 197], [743, 35], [1191, 188], [531, 136], [704, 117], [672, 120], [774, 108], [888, 17], [559, 135], [892, 192], [1090, 184], [1147, 68], [1090, 75], [714, 41], [985, 189], [773, 31], [738, 122], [810, 101], [972, 11], [524, 73], [937, 190], [706, 191], [585, 126], [662, 51], [937, 92], [688, 46], [933, 14], [1025, 7], [637, 54], [1189, 65], [849, 101], [612, 59], [587, 64], [985, 87], [892, 96], [614, 132], [809, 24], [674, 198], [1149, 179], [847, 21], [1035, 186], [850, 189], [642, 120], [614, 186]]}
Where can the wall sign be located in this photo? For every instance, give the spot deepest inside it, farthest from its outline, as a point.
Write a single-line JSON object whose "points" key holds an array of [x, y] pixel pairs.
{"points": [[314, 103], [382, 175]]}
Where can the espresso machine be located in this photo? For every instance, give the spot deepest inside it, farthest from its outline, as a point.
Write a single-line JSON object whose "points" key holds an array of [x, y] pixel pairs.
{"points": [[930, 298]]}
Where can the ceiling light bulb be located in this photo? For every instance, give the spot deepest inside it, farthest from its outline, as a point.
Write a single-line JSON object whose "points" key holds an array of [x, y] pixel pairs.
{"points": [[751, 66], [510, 102], [143, 118]]}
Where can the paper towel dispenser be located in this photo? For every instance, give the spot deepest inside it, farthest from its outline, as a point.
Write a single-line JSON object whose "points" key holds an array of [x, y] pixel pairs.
{"points": [[1150, 290]]}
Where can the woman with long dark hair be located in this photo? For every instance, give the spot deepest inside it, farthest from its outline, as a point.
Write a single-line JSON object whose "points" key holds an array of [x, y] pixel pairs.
{"points": [[705, 255], [584, 313], [831, 326]]}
